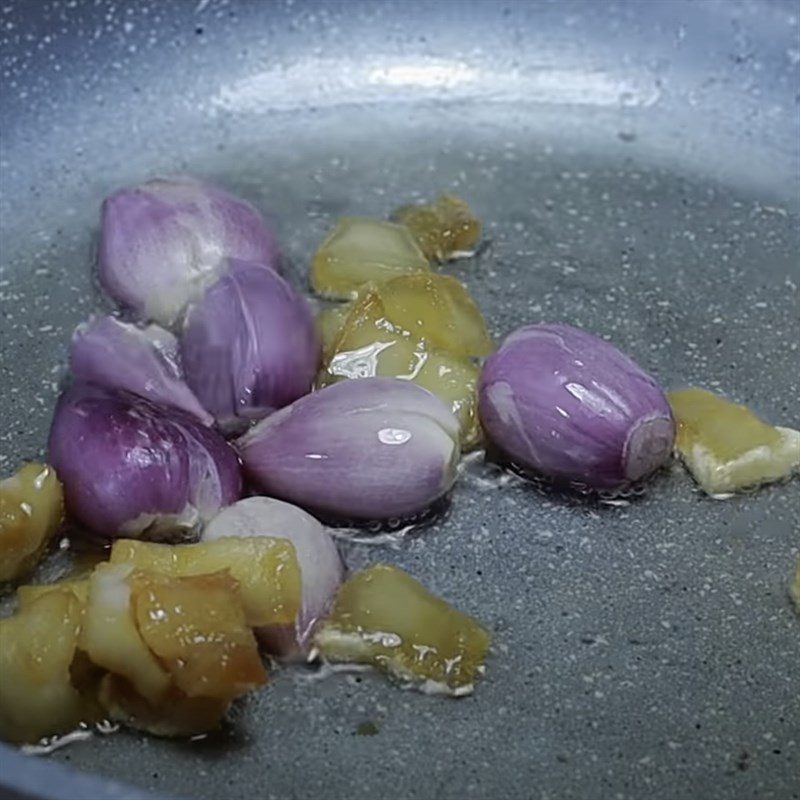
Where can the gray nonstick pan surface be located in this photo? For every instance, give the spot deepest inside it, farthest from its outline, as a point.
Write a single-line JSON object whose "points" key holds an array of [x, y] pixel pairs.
{"points": [[636, 168]]}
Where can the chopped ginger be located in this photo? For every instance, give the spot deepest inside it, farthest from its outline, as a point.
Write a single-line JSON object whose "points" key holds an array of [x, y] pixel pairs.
{"points": [[726, 447], [417, 326], [382, 616], [369, 346], [266, 570], [160, 651], [175, 715], [329, 323], [37, 649], [32, 592], [196, 628], [177, 650], [443, 229], [360, 250], [436, 309], [110, 636], [31, 511]]}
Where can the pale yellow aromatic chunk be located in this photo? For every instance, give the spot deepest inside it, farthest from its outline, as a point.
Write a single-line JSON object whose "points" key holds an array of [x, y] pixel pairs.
{"points": [[455, 381], [160, 652], [110, 636], [726, 447], [32, 592], [37, 648], [31, 511], [438, 309], [175, 714], [382, 616], [196, 628], [266, 570], [368, 345], [83, 562], [177, 650], [360, 250], [443, 229], [329, 323]]}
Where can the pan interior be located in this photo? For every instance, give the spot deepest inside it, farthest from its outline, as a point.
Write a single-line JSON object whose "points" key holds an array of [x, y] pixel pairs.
{"points": [[642, 646]]}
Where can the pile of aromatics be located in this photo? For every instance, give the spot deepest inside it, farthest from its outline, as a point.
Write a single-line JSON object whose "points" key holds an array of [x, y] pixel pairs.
{"points": [[209, 429]]}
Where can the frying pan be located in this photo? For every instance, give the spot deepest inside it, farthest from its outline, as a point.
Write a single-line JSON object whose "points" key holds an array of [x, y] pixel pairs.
{"points": [[636, 167]]}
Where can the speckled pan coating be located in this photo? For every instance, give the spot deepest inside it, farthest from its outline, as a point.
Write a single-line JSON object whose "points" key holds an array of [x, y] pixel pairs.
{"points": [[636, 165]]}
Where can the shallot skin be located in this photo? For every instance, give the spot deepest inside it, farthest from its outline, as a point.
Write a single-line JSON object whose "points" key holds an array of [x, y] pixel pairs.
{"points": [[131, 468], [563, 403], [164, 241], [249, 346], [368, 449], [141, 360]]}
